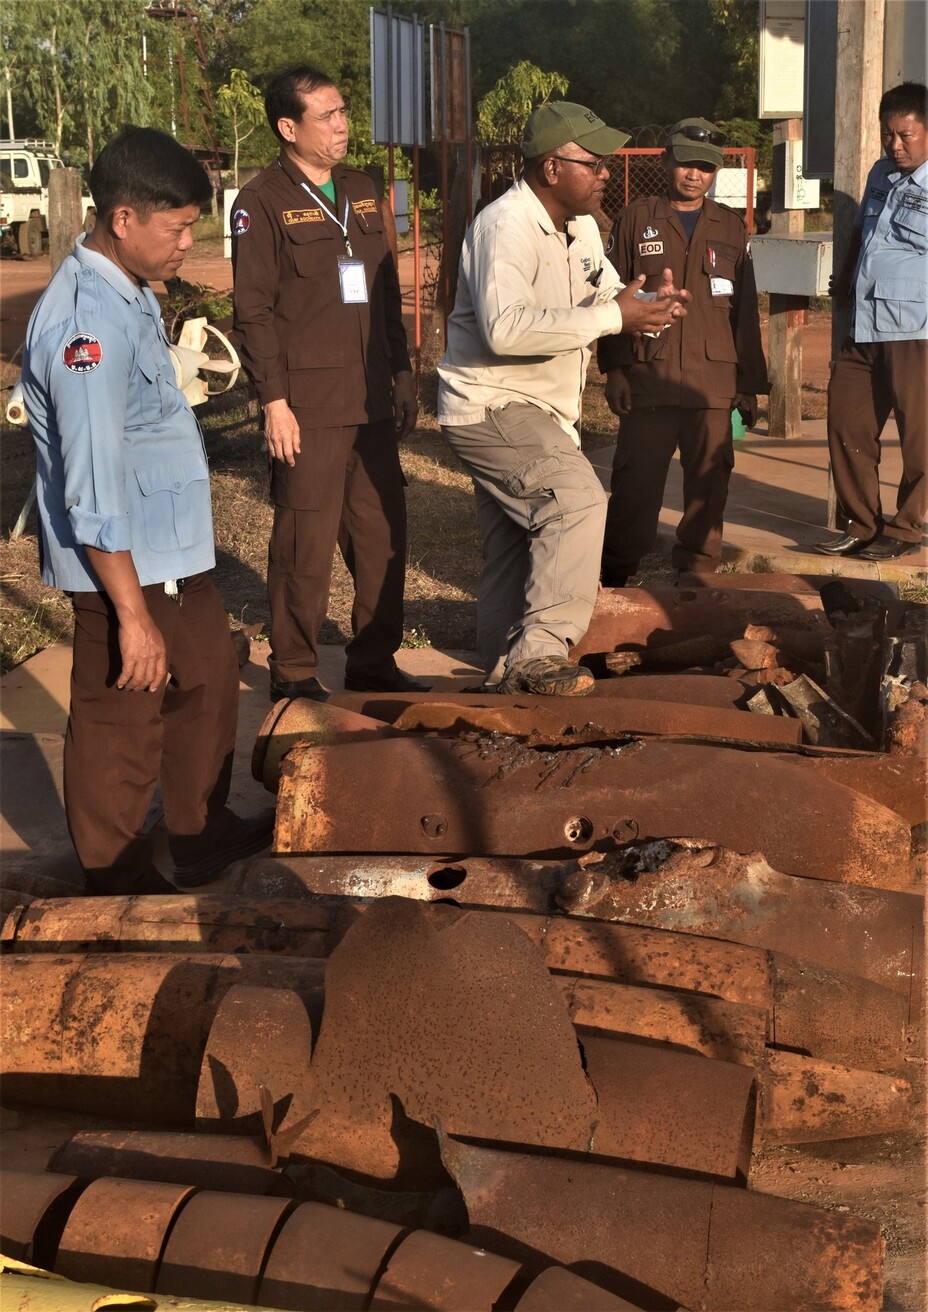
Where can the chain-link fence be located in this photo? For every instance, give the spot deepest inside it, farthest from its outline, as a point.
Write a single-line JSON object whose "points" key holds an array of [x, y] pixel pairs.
{"points": [[633, 173]]}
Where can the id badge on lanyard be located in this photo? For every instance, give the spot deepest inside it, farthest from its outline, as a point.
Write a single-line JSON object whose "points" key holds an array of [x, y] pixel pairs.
{"points": [[352, 279]]}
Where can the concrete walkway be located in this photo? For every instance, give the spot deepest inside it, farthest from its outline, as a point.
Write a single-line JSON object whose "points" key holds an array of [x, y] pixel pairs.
{"points": [[778, 505]]}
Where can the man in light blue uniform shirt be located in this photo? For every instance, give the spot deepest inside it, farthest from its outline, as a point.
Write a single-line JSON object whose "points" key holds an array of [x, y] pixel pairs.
{"points": [[881, 366], [125, 527]]}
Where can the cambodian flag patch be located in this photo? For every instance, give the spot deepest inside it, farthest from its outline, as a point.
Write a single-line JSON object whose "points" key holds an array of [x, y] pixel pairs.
{"points": [[241, 222], [82, 353]]}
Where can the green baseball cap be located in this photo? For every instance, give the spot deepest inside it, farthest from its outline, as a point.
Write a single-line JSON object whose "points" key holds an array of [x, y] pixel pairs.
{"points": [[555, 124], [696, 139]]}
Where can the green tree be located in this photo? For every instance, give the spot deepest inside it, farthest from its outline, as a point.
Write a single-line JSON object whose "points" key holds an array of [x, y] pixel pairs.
{"points": [[502, 112], [243, 106]]}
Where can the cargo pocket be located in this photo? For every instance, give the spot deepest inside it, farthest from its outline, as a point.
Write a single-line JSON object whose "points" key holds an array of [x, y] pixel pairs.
{"points": [[175, 500], [899, 306]]}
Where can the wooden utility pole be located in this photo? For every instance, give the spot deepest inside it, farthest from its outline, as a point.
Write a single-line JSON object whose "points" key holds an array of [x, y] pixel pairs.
{"points": [[858, 88], [64, 213], [786, 312]]}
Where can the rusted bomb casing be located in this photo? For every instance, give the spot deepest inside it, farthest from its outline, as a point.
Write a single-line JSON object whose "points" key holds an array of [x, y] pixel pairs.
{"points": [[656, 617], [116, 1231], [326, 1260], [601, 721], [11, 901], [167, 922], [731, 1248], [432, 1271], [123, 1035], [499, 798], [227, 1162], [899, 782], [559, 1290], [259, 1038], [319, 724], [218, 1245], [701, 889], [807, 1101], [33, 1209], [800, 1100]]}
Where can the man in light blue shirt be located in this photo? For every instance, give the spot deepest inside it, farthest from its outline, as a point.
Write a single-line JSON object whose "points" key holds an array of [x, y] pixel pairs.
{"points": [[125, 528], [881, 366]]}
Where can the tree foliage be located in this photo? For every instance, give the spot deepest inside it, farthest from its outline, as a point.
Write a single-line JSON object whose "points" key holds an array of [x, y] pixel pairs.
{"points": [[242, 105], [502, 112]]}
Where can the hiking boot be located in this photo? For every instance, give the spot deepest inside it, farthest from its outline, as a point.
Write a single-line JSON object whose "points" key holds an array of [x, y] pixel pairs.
{"points": [[552, 676], [239, 838]]}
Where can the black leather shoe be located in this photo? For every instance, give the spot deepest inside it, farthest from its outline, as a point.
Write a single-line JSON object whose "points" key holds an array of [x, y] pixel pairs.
{"points": [[887, 548], [240, 838], [847, 545], [309, 688], [391, 681], [613, 580]]}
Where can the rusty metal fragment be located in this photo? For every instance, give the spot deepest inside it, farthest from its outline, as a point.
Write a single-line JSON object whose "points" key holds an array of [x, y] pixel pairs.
{"points": [[498, 797], [603, 722], [231, 1163], [493, 1056], [123, 1035], [218, 1245], [808, 586], [824, 722], [33, 1209], [704, 889], [261, 1038], [431, 1271], [326, 1260], [730, 1248], [319, 724], [116, 1231], [807, 1101], [899, 782], [904, 688], [166, 922], [853, 660], [559, 1290]]}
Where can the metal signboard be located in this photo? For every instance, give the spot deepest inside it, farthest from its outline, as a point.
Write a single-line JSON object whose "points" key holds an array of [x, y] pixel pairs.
{"points": [[451, 100], [782, 41], [397, 79], [820, 72]]}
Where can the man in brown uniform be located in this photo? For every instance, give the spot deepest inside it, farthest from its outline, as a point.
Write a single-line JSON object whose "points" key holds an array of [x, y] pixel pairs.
{"points": [[679, 389], [318, 322]]}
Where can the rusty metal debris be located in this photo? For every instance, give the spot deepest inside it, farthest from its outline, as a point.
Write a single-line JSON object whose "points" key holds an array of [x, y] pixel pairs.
{"points": [[730, 1248], [115, 1232], [495, 796], [430, 1271], [33, 1211], [559, 1290], [218, 1246], [824, 722]]}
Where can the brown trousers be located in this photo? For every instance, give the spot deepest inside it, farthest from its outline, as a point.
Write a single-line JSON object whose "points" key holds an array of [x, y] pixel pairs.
{"points": [[346, 489], [119, 744], [643, 451], [870, 379]]}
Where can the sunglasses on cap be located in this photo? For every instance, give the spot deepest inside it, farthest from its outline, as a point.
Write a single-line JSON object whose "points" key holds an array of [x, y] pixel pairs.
{"points": [[694, 133]]}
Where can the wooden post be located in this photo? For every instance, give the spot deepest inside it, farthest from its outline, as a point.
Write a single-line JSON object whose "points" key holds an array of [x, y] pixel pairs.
{"points": [[64, 213], [858, 87], [786, 312]]}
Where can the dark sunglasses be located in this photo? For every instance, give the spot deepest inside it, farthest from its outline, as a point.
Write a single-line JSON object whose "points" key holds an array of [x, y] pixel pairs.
{"points": [[694, 133]]}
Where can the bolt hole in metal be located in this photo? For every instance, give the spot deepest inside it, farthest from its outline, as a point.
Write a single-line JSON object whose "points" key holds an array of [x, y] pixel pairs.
{"points": [[578, 829], [433, 826], [448, 877]]}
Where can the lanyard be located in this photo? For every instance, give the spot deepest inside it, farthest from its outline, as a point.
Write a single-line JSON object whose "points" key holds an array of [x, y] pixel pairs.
{"points": [[342, 224]]}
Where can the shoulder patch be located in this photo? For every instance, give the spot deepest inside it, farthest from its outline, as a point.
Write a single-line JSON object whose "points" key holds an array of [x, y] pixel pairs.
{"points": [[365, 206], [302, 216], [241, 222], [82, 353]]}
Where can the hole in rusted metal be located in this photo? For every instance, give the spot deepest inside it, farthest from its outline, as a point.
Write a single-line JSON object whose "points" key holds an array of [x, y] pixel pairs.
{"points": [[578, 829], [448, 877]]}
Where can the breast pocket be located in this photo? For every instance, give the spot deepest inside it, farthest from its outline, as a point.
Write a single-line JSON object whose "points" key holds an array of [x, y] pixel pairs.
{"points": [[152, 394], [910, 227], [900, 305], [175, 502]]}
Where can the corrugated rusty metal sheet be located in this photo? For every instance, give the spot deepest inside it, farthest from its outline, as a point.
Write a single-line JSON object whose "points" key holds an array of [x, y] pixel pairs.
{"points": [[495, 796], [711, 1248], [431, 1271], [218, 1245], [116, 1232]]}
